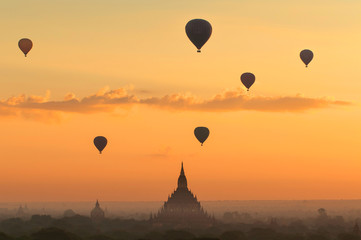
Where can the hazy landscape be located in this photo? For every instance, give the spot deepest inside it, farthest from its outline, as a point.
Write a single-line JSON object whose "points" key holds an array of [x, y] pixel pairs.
{"points": [[234, 220], [349, 209]]}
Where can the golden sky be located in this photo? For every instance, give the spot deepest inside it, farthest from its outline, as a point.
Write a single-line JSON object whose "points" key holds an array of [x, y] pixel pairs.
{"points": [[126, 70]]}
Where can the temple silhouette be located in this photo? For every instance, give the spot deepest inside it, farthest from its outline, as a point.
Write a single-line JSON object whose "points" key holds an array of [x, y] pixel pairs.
{"points": [[182, 208], [97, 214]]}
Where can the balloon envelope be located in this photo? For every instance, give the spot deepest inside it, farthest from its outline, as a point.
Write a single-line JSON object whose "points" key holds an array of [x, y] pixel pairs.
{"points": [[201, 134], [198, 31], [25, 45], [306, 56], [248, 79], [100, 142]]}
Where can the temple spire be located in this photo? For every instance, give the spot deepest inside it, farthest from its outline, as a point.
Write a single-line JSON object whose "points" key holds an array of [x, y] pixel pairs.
{"points": [[182, 180], [182, 170]]}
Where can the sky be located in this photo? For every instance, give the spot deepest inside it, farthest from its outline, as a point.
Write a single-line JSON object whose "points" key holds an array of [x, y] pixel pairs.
{"points": [[127, 71]]}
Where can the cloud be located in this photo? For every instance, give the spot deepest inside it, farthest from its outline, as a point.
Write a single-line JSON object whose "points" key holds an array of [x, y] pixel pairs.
{"points": [[102, 101], [236, 100], [108, 101]]}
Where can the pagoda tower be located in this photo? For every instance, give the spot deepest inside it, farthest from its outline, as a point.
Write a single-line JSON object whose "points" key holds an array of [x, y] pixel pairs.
{"points": [[21, 213], [182, 207], [97, 214]]}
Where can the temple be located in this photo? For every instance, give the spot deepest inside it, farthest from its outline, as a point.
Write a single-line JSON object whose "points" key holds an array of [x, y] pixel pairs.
{"points": [[182, 208], [97, 214], [21, 213]]}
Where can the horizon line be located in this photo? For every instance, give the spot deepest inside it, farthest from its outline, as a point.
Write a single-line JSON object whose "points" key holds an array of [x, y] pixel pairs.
{"points": [[150, 201]]}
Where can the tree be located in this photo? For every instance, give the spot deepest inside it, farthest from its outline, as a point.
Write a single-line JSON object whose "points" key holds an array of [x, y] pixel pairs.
{"points": [[178, 234], [54, 234], [233, 235]]}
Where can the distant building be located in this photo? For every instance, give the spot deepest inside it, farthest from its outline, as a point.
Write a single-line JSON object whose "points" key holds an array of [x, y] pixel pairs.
{"points": [[97, 214], [21, 213], [69, 213], [182, 208], [322, 213]]}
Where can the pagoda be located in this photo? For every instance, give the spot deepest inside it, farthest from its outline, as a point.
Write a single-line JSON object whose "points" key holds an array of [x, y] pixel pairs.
{"points": [[97, 214], [182, 208]]}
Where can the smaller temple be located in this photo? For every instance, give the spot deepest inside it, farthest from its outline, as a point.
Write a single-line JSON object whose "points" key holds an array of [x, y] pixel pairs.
{"points": [[97, 214], [21, 213], [69, 213]]}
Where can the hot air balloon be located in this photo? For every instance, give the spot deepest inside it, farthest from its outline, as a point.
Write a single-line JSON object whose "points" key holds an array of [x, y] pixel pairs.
{"points": [[201, 134], [25, 45], [100, 142], [198, 31], [306, 56], [248, 79]]}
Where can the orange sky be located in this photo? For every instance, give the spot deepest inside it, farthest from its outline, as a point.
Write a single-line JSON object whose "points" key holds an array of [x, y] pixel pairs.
{"points": [[126, 70]]}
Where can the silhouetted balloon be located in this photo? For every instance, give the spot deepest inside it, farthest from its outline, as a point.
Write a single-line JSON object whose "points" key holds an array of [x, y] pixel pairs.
{"points": [[198, 31], [306, 56], [248, 79], [201, 134], [100, 142], [25, 45]]}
